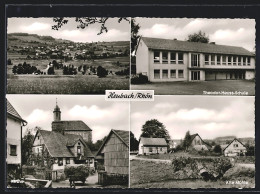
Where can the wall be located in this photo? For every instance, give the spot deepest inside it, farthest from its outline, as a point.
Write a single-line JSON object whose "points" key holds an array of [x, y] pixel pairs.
{"points": [[13, 138], [116, 156], [155, 150], [250, 75], [231, 149], [142, 60]]}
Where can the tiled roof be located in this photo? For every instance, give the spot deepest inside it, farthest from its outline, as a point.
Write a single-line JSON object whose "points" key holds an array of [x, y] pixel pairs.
{"points": [[11, 110], [124, 135], [177, 45], [73, 125], [58, 144], [153, 141]]}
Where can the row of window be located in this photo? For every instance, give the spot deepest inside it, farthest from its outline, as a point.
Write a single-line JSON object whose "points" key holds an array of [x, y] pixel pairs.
{"points": [[175, 58], [226, 60], [165, 73]]}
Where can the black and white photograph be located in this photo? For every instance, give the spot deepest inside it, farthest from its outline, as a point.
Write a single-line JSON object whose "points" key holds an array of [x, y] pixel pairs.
{"points": [[67, 141], [181, 56], [85, 55], [193, 142]]}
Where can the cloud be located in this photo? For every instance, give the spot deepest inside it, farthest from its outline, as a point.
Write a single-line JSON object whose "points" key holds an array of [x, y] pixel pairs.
{"points": [[35, 27], [38, 117]]}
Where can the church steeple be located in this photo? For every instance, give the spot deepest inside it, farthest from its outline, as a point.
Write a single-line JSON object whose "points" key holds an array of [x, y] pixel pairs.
{"points": [[56, 113]]}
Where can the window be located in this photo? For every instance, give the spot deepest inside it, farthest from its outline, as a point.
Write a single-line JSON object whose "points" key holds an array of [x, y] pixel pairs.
{"points": [[79, 149], [156, 58], [165, 73], [60, 162], [224, 58], [67, 161], [161, 149], [218, 59], [165, 57], [180, 58], [173, 58], [195, 60], [38, 137], [156, 74], [90, 161], [180, 74], [150, 149], [248, 61], [213, 60], [206, 59], [195, 75], [235, 145], [229, 60], [13, 150], [173, 73], [244, 61], [239, 60], [234, 60]]}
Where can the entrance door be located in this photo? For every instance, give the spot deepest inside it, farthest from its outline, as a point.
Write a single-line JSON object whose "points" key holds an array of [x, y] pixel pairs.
{"points": [[195, 75]]}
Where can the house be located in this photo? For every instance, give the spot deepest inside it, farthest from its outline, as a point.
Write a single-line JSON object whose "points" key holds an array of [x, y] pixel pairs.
{"points": [[14, 127], [115, 151], [152, 146], [165, 60], [197, 143], [55, 150], [235, 148], [70, 127], [173, 143]]}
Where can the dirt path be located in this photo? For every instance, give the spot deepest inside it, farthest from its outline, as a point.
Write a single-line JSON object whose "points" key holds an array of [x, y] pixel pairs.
{"points": [[132, 157]]}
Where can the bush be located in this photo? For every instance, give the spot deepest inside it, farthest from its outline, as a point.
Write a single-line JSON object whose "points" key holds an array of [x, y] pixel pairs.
{"points": [[239, 172], [139, 79], [101, 72], [80, 172]]}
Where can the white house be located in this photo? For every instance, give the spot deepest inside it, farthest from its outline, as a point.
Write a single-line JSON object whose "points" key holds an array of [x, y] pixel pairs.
{"points": [[14, 127], [235, 148], [152, 146], [165, 60]]}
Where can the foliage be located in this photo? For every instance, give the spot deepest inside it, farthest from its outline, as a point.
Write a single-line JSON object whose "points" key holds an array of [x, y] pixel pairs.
{"points": [[134, 34], [154, 128], [101, 72], [69, 70], [9, 62], [123, 72], [133, 142], [24, 69], [95, 146], [250, 150], [51, 71], [27, 144], [239, 172], [198, 37], [217, 149], [80, 171], [187, 141], [139, 79], [84, 22]]}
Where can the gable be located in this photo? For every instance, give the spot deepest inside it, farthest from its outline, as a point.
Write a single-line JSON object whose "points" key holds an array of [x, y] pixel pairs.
{"points": [[235, 144]]}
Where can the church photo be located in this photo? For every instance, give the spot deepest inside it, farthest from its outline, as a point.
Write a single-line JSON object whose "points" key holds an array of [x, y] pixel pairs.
{"points": [[64, 141]]}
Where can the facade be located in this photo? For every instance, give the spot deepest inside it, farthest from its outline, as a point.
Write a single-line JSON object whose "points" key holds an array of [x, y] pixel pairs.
{"points": [[70, 127], [14, 126], [198, 144], [152, 146], [165, 60], [115, 151], [235, 148]]}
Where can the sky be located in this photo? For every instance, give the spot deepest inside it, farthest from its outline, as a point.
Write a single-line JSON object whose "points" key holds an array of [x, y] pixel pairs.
{"points": [[233, 32], [209, 116], [100, 115], [42, 26]]}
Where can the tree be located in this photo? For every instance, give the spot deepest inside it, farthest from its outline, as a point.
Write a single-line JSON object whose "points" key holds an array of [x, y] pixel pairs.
{"points": [[154, 128], [134, 34], [198, 37], [187, 141], [101, 72], [84, 22], [217, 149], [250, 150], [9, 62], [133, 142], [27, 144], [51, 71]]}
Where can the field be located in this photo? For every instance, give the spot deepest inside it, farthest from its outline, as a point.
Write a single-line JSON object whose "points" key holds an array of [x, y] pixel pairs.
{"points": [[68, 84], [149, 174], [197, 88], [53, 84]]}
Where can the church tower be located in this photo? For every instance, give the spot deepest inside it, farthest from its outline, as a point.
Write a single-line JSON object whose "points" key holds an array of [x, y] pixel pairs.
{"points": [[56, 113]]}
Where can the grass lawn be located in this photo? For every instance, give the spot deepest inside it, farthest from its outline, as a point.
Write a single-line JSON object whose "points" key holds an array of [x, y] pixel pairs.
{"points": [[148, 174], [197, 88], [53, 84]]}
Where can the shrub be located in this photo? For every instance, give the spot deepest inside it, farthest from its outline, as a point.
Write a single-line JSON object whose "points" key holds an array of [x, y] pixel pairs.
{"points": [[239, 172], [139, 79], [51, 71], [101, 72], [80, 171]]}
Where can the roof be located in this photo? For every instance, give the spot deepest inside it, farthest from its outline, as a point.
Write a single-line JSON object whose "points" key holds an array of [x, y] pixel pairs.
{"points": [[58, 144], [153, 141], [74, 125], [122, 135], [196, 134], [232, 142], [11, 110], [177, 45]]}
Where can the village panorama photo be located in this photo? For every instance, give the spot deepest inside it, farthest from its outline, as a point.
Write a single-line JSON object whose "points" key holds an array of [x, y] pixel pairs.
{"points": [[193, 142], [181, 56], [66, 141], [67, 55]]}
